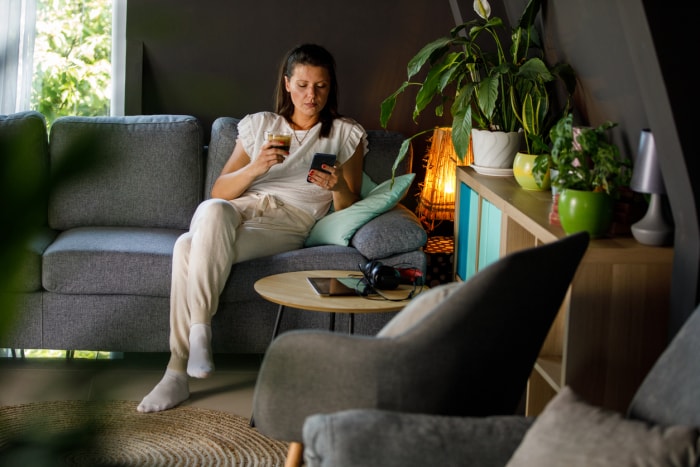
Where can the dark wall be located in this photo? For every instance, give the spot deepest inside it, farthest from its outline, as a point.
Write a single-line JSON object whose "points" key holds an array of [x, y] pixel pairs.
{"points": [[220, 58]]}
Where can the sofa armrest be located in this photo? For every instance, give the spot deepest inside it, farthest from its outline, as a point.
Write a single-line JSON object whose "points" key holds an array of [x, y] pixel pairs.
{"points": [[393, 232], [361, 437]]}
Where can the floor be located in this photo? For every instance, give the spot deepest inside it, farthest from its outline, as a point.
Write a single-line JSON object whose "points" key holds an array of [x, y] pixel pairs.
{"points": [[130, 377]]}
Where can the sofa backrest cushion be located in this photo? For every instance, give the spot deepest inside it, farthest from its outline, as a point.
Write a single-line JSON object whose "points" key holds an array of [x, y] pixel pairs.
{"points": [[139, 171], [24, 160], [24, 170], [224, 132], [669, 393], [383, 147]]}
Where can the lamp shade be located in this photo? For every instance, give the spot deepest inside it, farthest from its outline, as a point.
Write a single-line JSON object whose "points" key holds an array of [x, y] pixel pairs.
{"points": [[437, 196], [646, 177]]}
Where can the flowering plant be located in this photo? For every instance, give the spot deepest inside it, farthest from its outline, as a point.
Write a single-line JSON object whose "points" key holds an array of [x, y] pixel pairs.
{"points": [[495, 89]]}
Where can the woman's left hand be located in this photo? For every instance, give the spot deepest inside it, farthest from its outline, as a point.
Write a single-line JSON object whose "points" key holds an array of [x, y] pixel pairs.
{"points": [[328, 181]]}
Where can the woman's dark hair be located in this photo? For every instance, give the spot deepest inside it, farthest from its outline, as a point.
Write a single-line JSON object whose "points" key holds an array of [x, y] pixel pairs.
{"points": [[313, 55]]}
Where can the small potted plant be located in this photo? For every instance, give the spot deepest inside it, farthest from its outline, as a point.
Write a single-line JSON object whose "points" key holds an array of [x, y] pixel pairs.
{"points": [[589, 174], [494, 89]]}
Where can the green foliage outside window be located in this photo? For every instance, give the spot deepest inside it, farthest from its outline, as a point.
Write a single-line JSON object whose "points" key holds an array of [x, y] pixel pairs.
{"points": [[72, 76], [72, 58]]}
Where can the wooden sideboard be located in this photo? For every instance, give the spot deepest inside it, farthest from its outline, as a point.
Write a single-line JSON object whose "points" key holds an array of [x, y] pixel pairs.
{"points": [[613, 323]]}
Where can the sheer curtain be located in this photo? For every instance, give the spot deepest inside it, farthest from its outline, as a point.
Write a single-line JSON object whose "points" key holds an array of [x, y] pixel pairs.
{"points": [[17, 29], [118, 56]]}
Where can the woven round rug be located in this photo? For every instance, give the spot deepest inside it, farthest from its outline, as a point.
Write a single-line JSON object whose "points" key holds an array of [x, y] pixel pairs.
{"points": [[113, 433]]}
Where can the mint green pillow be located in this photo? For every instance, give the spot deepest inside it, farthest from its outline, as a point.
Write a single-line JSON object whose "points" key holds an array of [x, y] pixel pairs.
{"points": [[367, 185], [337, 228]]}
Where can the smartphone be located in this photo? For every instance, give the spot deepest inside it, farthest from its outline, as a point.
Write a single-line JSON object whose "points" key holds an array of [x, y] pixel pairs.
{"points": [[318, 161]]}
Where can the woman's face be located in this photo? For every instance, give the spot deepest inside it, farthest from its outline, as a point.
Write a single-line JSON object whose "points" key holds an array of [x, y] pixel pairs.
{"points": [[308, 87]]}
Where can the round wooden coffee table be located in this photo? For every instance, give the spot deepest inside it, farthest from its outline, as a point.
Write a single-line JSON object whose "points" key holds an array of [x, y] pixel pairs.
{"points": [[293, 290]]}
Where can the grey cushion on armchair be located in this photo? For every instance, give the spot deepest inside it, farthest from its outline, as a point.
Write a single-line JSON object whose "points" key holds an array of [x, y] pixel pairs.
{"points": [[365, 437]]}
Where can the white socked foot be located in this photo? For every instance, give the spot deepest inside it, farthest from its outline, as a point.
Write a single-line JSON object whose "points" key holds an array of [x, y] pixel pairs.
{"points": [[200, 363], [172, 390]]}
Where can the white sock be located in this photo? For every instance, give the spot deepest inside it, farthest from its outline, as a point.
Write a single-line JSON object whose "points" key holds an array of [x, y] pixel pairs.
{"points": [[200, 363], [169, 392]]}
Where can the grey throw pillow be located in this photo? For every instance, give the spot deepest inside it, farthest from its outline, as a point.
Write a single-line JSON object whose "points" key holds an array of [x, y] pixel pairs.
{"points": [[572, 433], [418, 308]]}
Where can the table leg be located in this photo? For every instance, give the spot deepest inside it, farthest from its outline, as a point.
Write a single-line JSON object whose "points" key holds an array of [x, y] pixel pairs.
{"points": [[351, 323], [276, 330], [331, 322]]}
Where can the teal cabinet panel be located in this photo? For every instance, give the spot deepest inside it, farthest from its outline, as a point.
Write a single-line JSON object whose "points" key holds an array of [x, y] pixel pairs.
{"points": [[463, 255], [472, 242], [490, 239]]}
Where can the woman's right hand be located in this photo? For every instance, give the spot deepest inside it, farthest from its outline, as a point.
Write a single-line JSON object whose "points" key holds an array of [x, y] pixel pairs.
{"points": [[269, 155], [240, 172]]}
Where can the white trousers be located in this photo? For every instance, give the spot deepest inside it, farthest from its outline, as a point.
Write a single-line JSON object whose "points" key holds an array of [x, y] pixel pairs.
{"points": [[223, 233]]}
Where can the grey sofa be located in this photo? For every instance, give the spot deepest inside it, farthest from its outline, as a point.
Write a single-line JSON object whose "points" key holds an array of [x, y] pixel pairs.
{"points": [[97, 277], [660, 428]]}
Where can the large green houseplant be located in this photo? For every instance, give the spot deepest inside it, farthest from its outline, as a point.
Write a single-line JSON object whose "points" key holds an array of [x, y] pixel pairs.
{"points": [[495, 88], [589, 171]]}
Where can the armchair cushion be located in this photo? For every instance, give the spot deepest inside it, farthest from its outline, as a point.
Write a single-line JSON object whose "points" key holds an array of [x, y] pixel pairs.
{"points": [[338, 227], [362, 437], [571, 433]]}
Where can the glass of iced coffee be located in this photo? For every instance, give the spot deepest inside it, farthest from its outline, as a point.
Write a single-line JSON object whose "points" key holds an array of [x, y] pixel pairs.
{"points": [[282, 140]]}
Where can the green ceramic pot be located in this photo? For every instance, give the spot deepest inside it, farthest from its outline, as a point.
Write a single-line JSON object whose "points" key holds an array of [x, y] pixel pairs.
{"points": [[522, 171], [585, 211]]}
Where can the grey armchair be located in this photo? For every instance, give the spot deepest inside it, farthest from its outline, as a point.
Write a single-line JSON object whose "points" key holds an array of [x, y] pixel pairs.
{"points": [[464, 348]]}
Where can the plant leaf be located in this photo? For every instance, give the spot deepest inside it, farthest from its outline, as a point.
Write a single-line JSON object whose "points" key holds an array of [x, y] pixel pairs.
{"points": [[487, 95], [438, 77], [388, 104], [417, 62], [527, 19], [461, 130]]}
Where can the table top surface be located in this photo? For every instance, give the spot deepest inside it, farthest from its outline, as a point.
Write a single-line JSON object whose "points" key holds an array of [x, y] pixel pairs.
{"points": [[293, 289]]}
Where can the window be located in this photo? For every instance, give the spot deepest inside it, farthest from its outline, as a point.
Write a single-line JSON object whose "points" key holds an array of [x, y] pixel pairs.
{"points": [[62, 57]]}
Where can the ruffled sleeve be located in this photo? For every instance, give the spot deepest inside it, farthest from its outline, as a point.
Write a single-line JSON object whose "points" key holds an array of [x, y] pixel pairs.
{"points": [[352, 134], [251, 129]]}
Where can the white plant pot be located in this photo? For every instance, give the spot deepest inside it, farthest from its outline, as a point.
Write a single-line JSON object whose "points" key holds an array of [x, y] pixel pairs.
{"points": [[495, 149]]}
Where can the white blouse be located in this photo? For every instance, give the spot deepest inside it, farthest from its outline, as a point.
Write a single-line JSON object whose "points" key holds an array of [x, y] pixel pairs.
{"points": [[287, 181]]}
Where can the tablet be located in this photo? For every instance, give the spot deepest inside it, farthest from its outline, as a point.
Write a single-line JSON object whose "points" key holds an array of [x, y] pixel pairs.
{"points": [[334, 286]]}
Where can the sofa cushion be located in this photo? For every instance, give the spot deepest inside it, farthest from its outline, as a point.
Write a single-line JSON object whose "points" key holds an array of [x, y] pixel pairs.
{"points": [[383, 146], [571, 433], [224, 132], [396, 231], [110, 260], [145, 171], [338, 227]]}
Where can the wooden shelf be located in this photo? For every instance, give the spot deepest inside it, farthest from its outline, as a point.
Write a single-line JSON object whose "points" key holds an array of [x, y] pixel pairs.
{"points": [[613, 322]]}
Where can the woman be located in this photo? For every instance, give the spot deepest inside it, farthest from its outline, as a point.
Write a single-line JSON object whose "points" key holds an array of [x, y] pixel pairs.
{"points": [[261, 204]]}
